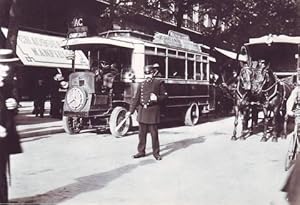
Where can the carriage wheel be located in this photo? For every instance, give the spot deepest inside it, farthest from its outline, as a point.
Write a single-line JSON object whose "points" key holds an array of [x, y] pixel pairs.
{"points": [[69, 125], [116, 117], [192, 115], [292, 152]]}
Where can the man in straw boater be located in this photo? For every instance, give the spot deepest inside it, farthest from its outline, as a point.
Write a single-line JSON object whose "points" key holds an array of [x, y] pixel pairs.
{"points": [[292, 185], [9, 137], [148, 98]]}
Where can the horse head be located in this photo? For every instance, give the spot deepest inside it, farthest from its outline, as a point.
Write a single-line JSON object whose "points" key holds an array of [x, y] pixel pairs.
{"points": [[244, 78], [261, 77]]}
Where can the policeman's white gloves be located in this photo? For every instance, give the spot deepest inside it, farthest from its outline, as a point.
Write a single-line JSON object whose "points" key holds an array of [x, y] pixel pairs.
{"points": [[11, 103], [64, 84], [127, 114], [153, 97], [291, 113], [3, 132], [3, 73]]}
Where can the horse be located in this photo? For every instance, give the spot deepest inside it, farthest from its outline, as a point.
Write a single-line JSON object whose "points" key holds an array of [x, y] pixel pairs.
{"points": [[272, 94], [243, 103]]}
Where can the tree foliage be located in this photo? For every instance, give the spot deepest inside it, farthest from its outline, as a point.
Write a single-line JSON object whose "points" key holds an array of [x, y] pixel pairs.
{"points": [[240, 19], [247, 18], [117, 10]]}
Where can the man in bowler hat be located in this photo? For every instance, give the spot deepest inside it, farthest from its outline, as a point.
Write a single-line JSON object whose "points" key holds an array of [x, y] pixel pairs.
{"points": [[9, 138], [148, 98]]}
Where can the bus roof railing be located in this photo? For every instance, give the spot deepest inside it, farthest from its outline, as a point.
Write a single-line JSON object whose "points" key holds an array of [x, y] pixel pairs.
{"points": [[78, 43], [126, 33]]}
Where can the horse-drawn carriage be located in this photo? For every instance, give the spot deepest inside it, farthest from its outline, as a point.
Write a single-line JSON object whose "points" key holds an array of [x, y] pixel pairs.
{"points": [[265, 82]]}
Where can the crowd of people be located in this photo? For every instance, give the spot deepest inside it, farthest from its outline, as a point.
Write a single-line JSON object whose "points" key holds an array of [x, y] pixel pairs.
{"points": [[54, 90]]}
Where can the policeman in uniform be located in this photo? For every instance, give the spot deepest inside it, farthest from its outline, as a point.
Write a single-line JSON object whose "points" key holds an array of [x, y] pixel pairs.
{"points": [[293, 102], [148, 98], [9, 138], [292, 185]]}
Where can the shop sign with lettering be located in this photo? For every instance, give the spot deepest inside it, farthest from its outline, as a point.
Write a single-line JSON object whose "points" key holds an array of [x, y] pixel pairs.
{"points": [[176, 34], [77, 28], [43, 50]]}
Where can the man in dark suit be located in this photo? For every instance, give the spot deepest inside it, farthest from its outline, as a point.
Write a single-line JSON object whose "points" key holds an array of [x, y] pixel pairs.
{"points": [[9, 138], [292, 184], [148, 98]]}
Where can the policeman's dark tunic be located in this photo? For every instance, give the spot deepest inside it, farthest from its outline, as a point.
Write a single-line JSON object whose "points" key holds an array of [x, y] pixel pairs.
{"points": [[148, 112], [8, 145]]}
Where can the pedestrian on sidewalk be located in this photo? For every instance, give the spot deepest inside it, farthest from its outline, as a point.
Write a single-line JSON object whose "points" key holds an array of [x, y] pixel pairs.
{"points": [[56, 104], [9, 137], [40, 96], [148, 99]]}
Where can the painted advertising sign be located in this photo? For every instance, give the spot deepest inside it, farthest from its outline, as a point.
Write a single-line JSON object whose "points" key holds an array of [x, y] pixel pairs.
{"points": [[35, 49]]}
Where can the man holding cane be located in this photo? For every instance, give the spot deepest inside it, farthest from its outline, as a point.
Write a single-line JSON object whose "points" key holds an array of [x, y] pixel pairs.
{"points": [[9, 138], [148, 98]]}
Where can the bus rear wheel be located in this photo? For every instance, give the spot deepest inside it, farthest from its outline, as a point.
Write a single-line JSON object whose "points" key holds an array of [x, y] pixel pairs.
{"points": [[116, 117], [192, 115], [69, 125]]}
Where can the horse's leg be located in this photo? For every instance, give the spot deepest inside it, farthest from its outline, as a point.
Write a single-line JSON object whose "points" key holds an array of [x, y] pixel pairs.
{"points": [[245, 121], [285, 126], [253, 113], [283, 118], [280, 123], [236, 119], [275, 124], [254, 116], [266, 122]]}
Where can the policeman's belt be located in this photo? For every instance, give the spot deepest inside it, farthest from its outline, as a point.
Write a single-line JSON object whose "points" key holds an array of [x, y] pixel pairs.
{"points": [[147, 106]]}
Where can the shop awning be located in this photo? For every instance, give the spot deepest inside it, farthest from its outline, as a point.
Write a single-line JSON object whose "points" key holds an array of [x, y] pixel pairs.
{"points": [[231, 54], [42, 50], [269, 39]]}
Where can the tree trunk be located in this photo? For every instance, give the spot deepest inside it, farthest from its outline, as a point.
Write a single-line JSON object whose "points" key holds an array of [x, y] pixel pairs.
{"points": [[13, 25], [297, 32], [9, 14]]}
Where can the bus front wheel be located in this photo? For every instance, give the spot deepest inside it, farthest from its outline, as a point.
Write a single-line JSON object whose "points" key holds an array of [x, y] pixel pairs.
{"points": [[192, 115], [70, 125], [118, 116]]}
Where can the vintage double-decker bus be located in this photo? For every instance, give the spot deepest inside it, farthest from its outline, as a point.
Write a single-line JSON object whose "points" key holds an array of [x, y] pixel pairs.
{"points": [[100, 97]]}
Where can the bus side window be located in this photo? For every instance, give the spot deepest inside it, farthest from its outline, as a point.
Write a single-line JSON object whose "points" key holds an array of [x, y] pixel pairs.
{"points": [[152, 59], [190, 69], [205, 76], [198, 71], [176, 68]]}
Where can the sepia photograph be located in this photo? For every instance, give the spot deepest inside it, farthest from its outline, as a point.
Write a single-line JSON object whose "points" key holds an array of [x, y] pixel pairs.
{"points": [[149, 102]]}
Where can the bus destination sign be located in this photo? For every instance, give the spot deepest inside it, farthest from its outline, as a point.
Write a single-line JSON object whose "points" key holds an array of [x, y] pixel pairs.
{"points": [[176, 39]]}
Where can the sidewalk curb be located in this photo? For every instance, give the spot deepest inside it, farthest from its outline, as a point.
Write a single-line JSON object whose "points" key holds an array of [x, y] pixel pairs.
{"points": [[40, 133]]}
